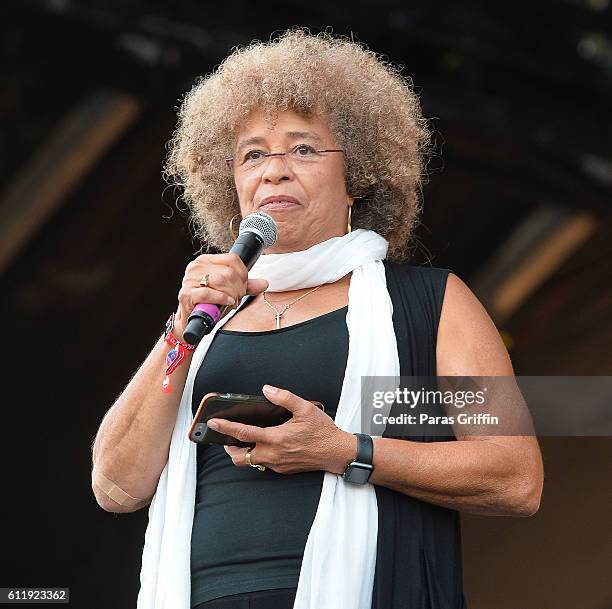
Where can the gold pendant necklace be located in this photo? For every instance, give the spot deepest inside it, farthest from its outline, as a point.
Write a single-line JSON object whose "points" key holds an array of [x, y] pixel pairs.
{"points": [[278, 314]]}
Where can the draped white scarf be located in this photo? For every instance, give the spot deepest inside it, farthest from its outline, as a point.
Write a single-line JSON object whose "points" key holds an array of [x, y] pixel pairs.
{"points": [[340, 554]]}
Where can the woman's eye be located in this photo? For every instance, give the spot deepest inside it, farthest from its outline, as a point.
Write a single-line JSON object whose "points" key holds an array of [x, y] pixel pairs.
{"points": [[303, 150], [253, 155]]}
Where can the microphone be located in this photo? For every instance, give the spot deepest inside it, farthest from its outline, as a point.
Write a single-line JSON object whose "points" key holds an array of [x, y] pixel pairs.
{"points": [[257, 232]]}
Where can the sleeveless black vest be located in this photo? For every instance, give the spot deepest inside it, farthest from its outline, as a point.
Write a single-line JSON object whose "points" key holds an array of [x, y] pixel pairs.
{"points": [[418, 558]]}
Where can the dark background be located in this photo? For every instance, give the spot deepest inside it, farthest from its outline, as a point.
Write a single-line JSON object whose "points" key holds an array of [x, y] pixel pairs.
{"points": [[93, 246]]}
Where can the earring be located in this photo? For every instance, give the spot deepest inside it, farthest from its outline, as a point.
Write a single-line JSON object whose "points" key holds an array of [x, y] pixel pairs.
{"points": [[231, 226], [349, 228]]}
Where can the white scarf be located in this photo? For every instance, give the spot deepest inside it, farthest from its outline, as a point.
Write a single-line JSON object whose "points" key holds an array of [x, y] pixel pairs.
{"points": [[340, 554]]}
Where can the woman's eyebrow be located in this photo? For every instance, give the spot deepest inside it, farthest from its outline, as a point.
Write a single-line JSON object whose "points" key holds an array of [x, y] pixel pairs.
{"points": [[305, 135], [291, 134], [249, 141]]}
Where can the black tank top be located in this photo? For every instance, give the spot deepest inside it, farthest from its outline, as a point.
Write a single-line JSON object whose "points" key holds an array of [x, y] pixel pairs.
{"points": [[250, 527]]}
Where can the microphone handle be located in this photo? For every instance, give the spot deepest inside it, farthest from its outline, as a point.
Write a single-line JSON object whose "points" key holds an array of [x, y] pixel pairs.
{"points": [[203, 318], [248, 246]]}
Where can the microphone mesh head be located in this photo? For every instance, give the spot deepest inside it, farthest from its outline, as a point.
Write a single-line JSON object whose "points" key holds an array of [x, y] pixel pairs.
{"points": [[261, 223]]}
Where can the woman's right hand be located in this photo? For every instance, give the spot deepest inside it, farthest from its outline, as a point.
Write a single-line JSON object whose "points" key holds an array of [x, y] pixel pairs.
{"points": [[227, 285]]}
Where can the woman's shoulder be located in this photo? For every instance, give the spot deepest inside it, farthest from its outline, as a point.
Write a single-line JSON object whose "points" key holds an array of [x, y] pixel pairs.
{"points": [[468, 341], [440, 285]]}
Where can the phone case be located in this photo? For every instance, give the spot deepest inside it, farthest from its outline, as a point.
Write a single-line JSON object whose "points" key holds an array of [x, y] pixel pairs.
{"points": [[249, 409]]}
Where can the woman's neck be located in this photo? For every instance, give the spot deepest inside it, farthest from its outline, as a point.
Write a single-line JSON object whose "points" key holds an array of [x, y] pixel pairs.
{"points": [[286, 295]]}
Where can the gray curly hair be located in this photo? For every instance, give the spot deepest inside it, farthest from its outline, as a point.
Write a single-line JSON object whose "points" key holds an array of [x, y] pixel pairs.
{"points": [[370, 108]]}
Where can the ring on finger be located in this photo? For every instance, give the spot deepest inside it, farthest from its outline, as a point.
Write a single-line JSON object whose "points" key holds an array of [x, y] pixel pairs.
{"points": [[247, 457], [204, 280]]}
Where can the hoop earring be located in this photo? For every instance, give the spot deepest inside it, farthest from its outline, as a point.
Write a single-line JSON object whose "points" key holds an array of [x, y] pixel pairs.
{"points": [[349, 228], [231, 226]]}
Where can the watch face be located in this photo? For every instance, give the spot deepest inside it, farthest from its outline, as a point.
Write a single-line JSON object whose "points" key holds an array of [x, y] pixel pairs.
{"points": [[358, 473]]}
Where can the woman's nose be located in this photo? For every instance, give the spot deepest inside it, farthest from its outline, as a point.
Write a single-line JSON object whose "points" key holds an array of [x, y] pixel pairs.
{"points": [[276, 169]]}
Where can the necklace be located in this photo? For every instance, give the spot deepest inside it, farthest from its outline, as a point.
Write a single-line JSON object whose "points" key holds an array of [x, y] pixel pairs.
{"points": [[278, 314]]}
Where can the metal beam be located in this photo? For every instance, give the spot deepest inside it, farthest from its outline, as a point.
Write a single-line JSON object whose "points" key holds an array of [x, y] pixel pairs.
{"points": [[61, 164]]}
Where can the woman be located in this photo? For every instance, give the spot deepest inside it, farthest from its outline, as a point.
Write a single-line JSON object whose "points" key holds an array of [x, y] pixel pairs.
{"points": [[329, 140]]}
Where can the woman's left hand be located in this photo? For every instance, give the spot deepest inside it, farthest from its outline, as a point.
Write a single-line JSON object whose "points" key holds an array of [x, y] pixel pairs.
{"points": [[310, 440]]}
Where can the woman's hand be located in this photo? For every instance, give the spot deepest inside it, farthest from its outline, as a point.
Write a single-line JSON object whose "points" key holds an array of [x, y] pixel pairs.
{"points": [[228, 283], [309, 441]]}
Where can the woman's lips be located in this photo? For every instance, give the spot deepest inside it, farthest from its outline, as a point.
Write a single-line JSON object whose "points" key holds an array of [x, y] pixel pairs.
{"points": [[278, 205]]}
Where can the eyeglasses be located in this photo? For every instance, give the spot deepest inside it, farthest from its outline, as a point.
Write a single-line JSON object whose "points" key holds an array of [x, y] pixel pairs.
{"points": [[301, 155]]}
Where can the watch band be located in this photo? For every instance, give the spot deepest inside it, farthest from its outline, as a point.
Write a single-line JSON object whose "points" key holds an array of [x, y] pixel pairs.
{"points": [[360, 469], [365, 448]]}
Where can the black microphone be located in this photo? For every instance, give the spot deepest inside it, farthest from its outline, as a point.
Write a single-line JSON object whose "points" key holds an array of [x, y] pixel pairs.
{"points": [[257, 232]]}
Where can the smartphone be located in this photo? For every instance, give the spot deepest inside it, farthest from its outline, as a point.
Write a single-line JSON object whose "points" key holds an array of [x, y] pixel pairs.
{"points": [[248, 409]]}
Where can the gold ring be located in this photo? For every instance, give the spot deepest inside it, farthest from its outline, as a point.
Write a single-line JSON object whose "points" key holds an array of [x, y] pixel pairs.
{"points": [[247, 457], [204, 280]]}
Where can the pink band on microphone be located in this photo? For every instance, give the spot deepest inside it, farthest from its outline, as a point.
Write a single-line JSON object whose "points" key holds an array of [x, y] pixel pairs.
{"points": [[213, 310]]}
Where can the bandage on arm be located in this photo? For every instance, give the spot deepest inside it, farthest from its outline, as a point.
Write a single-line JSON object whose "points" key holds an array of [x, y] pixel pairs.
{"points": [[118, 495]]}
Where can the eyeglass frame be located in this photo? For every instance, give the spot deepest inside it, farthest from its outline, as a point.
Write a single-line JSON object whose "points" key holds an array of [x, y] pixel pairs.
{"points": [[230, 159]]}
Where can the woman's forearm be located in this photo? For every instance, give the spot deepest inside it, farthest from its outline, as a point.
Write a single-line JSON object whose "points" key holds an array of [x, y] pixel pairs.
{"points": [[132, 443], [476, 476]]}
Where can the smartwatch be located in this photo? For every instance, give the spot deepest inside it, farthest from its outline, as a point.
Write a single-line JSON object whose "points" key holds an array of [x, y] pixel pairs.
{"points": [[360, 470]]}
